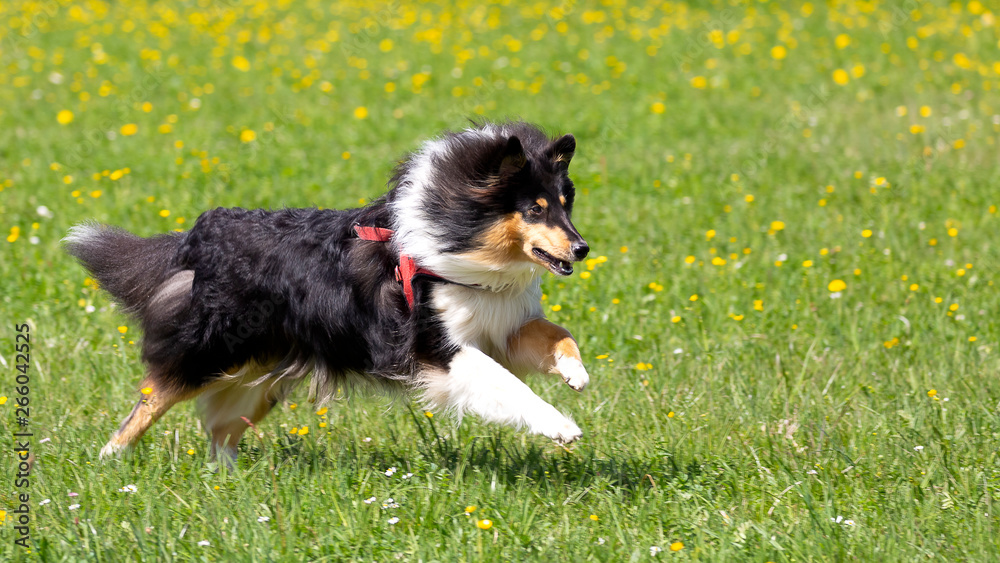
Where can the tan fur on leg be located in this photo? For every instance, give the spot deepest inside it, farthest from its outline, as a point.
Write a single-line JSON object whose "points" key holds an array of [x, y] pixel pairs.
{"points": [[150, 407], [543, 346]]}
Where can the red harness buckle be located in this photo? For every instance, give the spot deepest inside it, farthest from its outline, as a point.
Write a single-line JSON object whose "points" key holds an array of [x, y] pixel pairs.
{"points": [[407, 268]]}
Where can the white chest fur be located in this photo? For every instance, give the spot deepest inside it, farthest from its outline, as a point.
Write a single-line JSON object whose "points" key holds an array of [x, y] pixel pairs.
{"points": [[485, 319]]}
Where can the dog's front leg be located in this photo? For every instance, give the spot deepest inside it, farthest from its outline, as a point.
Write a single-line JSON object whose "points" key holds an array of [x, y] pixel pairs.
{"points": [[543, 346], [476, 383]]}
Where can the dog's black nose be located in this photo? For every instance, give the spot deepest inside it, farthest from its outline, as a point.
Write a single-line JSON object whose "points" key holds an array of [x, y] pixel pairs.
{"points": [[580, 250]]}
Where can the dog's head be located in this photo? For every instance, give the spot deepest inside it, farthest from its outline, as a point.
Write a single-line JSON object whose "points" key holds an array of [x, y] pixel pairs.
{"points": [[535, 194], [490, 202]]}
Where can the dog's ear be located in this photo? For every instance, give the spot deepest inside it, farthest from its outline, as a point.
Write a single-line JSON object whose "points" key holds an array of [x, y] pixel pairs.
{"points": [[561, 151], [513, 159]]}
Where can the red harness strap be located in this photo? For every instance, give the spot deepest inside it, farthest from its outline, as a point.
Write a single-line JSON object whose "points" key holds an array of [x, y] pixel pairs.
{"points": [[407, 268]]}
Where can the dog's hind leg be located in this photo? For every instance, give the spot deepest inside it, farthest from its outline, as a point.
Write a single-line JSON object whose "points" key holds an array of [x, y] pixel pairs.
{"points": [[228, 408], [476, 383], [155, 399], [543, 346]]}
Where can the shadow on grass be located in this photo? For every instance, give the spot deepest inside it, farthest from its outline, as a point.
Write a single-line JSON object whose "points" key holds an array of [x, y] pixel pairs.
{"points": [[497, 456]]}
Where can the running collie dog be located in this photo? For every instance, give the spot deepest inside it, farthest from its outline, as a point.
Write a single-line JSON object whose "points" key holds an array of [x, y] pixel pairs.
{"points": [[434, 287]]}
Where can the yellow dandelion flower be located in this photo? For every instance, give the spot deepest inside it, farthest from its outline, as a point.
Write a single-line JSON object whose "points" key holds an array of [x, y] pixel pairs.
{"points": [[623, 249], [428, 414], [690, 260], [748, 198], [303, 431], [693, 297], [470, 509], [676, 546], [914, 287], [925, 111], [840, 76], [932, 393], [247, 135], [294, 430], [123, 329], [842, 41], [953, 232], [3, 400], [146, 390], [778, 52], [322, 411], [594, 517], [972, 339], [836, 285], [675, 319], [360, 112], [718, 261], [190, 451], [777, 225], [867, 233], [699, 82], [385, 45], [953, 307], [557, 308], [64, 117], [129, 129], [658, 107], [484, 524], [164, 213], [241, 63]]}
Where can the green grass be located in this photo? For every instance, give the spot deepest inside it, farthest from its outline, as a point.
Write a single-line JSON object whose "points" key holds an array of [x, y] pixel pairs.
{"points": [[752, 432]]}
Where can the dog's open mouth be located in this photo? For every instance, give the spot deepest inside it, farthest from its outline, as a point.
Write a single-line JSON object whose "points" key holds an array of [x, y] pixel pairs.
{"points": [[557, 266]]}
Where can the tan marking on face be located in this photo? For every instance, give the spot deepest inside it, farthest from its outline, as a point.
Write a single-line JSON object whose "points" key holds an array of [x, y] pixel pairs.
{"points": [[542, 202], [512, 239], [500, 244], [550, 239], [562, 200]]}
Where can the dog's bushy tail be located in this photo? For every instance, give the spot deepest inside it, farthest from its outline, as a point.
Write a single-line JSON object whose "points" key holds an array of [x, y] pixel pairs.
{"points": [[128, 266]]}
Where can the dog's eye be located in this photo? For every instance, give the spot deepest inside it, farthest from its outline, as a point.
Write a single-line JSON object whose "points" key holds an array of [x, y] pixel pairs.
{"points": [[535, 209]]}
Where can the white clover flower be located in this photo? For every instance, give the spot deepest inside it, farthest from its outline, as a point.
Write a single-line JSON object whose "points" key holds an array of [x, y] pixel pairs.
{"points": [[263, 519], [74, 506], [204, 543], [394, 519], [370, 500]]}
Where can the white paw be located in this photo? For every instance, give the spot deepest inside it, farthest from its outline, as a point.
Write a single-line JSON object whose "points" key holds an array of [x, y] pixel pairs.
{"points": [[111, 449], [559, 428], [573, 372]]}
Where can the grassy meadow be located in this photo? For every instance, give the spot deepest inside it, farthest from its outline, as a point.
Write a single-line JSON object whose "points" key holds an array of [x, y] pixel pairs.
{"points": [[789, 314]]}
